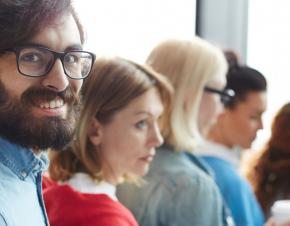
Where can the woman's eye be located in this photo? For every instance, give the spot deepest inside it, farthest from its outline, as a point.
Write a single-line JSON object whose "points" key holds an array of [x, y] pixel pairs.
{"points": [[141, 125]]}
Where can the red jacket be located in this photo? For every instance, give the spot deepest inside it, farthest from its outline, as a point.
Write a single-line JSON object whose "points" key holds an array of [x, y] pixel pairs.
{"points": [[67, 207]]}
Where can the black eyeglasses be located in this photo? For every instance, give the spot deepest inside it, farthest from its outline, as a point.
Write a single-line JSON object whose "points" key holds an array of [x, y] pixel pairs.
{"points": [[226, 94], [37, 61]]}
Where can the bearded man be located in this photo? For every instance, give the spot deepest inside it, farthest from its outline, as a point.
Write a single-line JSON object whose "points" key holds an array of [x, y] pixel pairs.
{"points": [[42, 66]]}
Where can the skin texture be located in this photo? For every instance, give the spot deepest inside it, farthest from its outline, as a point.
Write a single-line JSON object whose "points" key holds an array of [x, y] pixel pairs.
{"points": [[135, 133], [211, 105], [271, 222], [59, 38], [26, 113]]}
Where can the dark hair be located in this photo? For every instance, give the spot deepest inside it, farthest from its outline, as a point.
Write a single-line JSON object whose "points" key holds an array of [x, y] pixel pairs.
{"points": [[242, 79], [21, 20], [270, 171]]}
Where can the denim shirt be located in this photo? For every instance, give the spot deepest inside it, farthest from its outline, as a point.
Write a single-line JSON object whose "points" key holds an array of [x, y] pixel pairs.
{"points": [[21, 202], [176, 193]]}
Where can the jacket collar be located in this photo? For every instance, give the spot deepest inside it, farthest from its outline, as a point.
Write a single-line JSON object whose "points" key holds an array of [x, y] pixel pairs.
{"points": [[21, 161], [85, 184]]}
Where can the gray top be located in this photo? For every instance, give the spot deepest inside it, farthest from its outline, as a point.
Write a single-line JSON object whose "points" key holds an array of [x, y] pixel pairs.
{"points": [[176, 193]]}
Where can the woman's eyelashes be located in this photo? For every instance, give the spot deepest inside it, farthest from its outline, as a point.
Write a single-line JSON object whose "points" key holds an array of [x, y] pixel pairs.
{"points": [[142, 124], [147, 122]]}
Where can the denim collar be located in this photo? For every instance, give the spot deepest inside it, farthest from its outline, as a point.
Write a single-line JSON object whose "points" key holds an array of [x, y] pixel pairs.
{"points": [[21, 161]]}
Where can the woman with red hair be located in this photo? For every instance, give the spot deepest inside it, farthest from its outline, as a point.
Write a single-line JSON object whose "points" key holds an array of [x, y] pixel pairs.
{"points": [[270, 171]]}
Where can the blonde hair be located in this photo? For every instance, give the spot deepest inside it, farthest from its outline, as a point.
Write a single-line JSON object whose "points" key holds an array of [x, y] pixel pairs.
{"points": [[189, 65], [112, 85]]}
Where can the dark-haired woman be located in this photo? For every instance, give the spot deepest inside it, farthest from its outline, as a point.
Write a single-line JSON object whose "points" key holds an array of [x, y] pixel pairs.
{"points": [[234, 131]]}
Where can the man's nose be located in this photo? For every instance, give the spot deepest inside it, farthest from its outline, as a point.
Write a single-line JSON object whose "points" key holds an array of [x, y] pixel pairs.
{"points": [[56, 79]]}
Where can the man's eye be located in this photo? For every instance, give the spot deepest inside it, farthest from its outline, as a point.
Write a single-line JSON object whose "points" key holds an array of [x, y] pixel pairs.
{"points": [[31, 57], [71, 58], [141, 125]]}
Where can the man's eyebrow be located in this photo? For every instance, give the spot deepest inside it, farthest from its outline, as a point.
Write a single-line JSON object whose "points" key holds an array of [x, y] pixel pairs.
{"points": [[68, 48], [33, 44], [74, 47]]}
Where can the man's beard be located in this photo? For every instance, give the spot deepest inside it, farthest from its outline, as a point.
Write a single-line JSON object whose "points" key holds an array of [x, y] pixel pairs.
{"points": [[20, 126]]}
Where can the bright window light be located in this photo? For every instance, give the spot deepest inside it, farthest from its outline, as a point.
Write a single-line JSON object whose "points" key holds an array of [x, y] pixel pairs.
{"points": [[131, 28], [269, 52]]}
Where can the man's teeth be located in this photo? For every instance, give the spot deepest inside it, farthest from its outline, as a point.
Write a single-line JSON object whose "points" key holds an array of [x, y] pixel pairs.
{"points": [[52, 104]]}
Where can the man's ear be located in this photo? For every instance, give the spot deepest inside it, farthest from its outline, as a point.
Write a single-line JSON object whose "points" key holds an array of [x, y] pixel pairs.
{"points": [[94, 132]]}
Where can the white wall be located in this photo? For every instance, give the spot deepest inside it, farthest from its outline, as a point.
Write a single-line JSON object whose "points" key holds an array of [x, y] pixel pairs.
{"points": [[224, 22], [131, 28], [269, 52]]}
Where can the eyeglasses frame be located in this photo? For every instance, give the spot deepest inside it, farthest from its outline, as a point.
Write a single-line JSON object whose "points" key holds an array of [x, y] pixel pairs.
{"points": [[56, 55], [229, 93]]}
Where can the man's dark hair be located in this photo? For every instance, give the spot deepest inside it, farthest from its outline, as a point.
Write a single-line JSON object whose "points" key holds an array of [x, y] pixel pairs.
{"points": [[21, 20], [242, 79]]}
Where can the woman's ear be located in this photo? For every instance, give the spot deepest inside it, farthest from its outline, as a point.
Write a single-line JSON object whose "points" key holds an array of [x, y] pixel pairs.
{"points": [[94, 132]]}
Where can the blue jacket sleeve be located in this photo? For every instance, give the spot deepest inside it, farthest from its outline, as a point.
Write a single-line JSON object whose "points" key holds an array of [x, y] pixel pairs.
{"points": [[237, 194], [244, 206]]}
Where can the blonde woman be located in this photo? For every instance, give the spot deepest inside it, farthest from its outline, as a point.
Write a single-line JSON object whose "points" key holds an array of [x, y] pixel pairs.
{"points": [[179, 190], [116, 137]]}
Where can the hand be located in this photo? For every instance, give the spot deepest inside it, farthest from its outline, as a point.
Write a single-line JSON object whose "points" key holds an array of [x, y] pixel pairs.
{"points": [[271, 222]]}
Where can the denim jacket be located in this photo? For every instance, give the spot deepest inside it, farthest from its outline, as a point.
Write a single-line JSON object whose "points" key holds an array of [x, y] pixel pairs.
{"points": [[176, 193], [21, 202]]}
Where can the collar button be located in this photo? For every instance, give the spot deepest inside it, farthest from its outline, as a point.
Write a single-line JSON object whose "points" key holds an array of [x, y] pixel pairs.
{"points": [[23, 174]]}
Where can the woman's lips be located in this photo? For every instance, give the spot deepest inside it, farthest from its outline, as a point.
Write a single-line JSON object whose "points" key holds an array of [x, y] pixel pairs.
{"points": [[147, 158]]}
